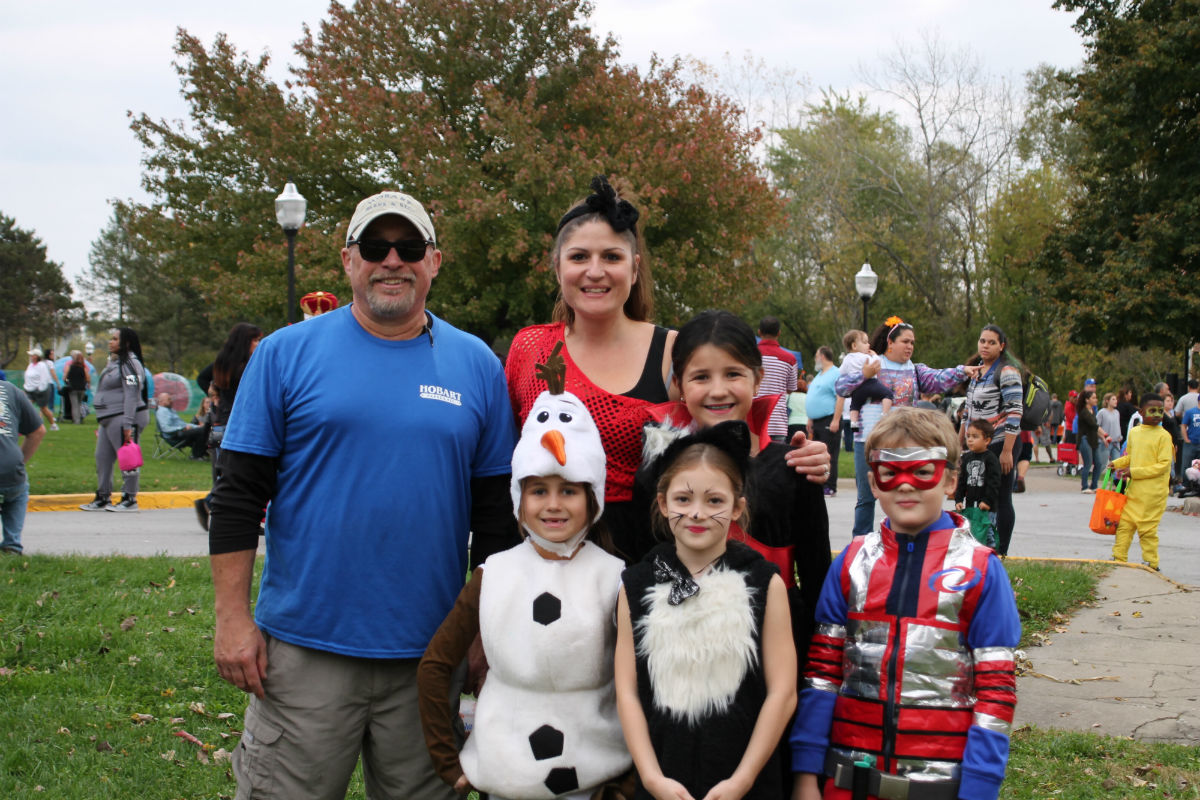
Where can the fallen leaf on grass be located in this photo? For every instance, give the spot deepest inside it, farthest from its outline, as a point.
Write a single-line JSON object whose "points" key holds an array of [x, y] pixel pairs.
{"points": [[187, 737], [222, 755], [128, 623], [176, 720], [168, 630], [197, 708], [202, 757], [167, 756], [65, 731], [5, 672], [142, 719], [103, 747], [225, 715], [1144, 769]]}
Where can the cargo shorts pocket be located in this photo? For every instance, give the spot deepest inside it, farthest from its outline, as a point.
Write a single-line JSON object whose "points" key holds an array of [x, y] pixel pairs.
{"points": [[255, 757]]}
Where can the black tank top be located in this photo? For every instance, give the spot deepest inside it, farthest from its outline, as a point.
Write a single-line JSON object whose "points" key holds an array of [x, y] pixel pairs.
{"points": [[650, 385]]}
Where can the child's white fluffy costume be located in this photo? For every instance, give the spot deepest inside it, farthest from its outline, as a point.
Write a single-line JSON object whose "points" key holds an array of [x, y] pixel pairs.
{"points": [[546, 721]]}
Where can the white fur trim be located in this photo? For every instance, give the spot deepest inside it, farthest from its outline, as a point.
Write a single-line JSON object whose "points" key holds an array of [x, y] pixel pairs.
{"points": [[658, 437], [699, 651]]}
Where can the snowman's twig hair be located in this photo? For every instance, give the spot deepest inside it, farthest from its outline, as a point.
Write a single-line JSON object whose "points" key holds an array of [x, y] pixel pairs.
{"points": [[554, 371]]}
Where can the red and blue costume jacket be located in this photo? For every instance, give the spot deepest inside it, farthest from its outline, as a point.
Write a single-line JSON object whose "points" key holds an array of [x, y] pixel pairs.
{"points": [[912, 665]]}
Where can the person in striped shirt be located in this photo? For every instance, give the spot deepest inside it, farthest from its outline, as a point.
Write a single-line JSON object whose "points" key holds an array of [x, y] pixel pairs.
{"points": [[779, 375]]}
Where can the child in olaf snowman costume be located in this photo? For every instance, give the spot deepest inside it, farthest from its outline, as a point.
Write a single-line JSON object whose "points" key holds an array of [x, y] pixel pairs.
{"points": [[546, 724]]}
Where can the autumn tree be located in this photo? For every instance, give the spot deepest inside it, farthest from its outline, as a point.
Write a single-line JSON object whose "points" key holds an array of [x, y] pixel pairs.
{"points": [[1123, 262], [840, 213], [907, 189], [496, 116], [130, 284], [37, 298]]}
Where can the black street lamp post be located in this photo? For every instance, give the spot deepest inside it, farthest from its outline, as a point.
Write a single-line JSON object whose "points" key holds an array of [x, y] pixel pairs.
{"points": [[289, 210]]}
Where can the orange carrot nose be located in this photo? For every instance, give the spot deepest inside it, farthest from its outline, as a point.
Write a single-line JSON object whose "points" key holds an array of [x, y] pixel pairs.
{"points": [[553, 441]]}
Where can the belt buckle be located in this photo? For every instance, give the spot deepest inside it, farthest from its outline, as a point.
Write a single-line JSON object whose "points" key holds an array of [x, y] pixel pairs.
{"points": [[893, 787]]}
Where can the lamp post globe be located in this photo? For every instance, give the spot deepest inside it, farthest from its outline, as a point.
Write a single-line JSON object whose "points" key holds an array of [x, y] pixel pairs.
{"points": [[290, 206], [866, 281]]}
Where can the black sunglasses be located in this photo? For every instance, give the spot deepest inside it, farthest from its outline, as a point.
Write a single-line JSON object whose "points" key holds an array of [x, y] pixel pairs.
{"points": [[410, 250]]}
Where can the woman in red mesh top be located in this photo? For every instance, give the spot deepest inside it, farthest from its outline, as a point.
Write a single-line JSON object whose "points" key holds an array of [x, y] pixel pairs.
{"points": [[618, 362]]}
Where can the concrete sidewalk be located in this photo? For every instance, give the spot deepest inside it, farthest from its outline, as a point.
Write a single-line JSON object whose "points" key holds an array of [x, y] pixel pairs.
{"points": [[1127, 666]]}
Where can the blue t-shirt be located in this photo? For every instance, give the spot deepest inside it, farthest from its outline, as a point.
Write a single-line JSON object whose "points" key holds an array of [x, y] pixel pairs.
{"points": [[822, 398], [1191, 421], [377, 442]]}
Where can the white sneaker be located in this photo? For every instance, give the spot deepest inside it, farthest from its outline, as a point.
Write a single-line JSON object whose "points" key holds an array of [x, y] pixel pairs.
{"points": [[54, 427], [125, 505]]}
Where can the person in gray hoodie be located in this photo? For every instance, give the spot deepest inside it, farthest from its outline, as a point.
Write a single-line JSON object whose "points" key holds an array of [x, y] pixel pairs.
{"points": [[122, 410]]}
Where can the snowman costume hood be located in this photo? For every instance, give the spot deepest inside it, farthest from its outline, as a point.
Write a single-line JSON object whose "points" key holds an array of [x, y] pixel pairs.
{"points": [[559, 438]]}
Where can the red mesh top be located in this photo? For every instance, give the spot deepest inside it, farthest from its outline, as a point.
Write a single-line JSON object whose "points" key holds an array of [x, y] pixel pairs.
{"points": [[619, 418]]}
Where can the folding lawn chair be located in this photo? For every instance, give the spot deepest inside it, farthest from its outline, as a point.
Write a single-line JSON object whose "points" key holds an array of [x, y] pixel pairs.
{"points": [[164, 449]]}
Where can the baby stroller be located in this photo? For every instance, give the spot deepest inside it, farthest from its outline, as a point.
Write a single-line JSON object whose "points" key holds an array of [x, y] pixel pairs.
{"points": [[1068, 459]]}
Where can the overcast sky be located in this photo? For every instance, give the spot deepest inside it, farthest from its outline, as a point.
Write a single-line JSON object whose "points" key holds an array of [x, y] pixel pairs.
{"points": [[73, 70]]}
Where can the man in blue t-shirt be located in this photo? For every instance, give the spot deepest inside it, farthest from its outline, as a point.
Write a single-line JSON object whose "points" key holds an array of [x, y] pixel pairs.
{"points": [[1190, 426], [367, 518]]}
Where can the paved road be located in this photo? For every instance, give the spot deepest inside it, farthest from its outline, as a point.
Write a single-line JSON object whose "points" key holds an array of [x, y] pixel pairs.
{"points": [[1051, 522], [167, 531]]}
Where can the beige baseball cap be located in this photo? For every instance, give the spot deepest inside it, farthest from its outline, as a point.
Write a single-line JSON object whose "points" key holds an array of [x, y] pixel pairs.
{"points": [[384, 203]]}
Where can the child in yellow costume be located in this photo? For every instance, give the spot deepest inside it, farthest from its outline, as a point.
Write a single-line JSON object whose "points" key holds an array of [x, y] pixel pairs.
{"points": [[1148, 457]]}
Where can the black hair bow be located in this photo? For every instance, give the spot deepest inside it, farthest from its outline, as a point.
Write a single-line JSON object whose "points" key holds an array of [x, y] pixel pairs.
{"points": [[621, 214]]}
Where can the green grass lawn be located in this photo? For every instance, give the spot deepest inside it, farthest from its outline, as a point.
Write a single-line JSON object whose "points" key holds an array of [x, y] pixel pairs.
{"points": [[104, 662], [65, 463]]}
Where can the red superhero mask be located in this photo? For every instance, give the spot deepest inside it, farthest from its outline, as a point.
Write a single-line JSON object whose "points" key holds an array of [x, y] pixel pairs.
{"points": [[920, 467]]}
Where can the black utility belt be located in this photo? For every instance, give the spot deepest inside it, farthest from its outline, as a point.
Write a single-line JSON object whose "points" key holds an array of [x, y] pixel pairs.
{"points": [[884, 785]]}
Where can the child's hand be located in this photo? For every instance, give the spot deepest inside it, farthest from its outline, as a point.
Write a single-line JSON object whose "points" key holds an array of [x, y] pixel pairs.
{"points": [[985, 507], [958, 506], [729, 789], [663, 788]]}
